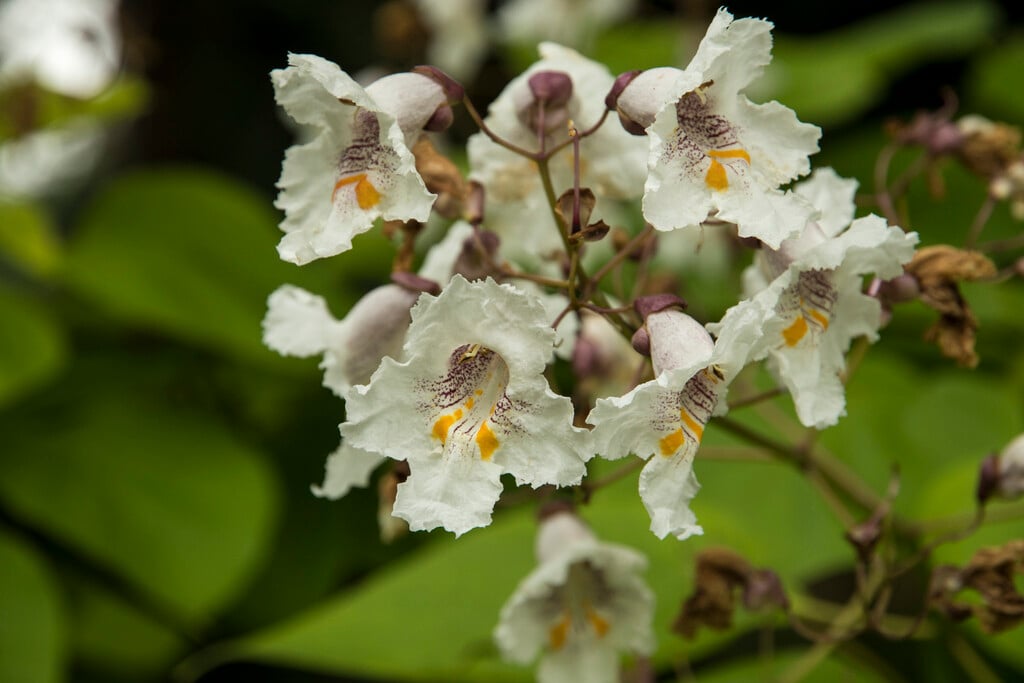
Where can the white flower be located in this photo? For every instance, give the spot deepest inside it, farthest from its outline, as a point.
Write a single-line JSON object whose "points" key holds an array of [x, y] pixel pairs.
{"points": [[664, 419], [357, 167], [468, 403], [1010, 465], [51, 160], [815, 282], [613, 162], [713, 151], [299, 323], [583, 605], [458, 40], [72, 47], [569, 22]]}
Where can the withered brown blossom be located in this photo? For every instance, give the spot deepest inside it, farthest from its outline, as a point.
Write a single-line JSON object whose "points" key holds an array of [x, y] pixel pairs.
{"points": [[938, 270], [722, 575], [991, 573]]}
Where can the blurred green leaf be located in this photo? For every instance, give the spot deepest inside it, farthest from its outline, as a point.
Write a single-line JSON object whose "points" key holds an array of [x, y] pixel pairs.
{"points": [[630, 45], [125, 98], [32, 347], [174, 505], [996, 82], [426, 618], [29, 239], [832, 78], [31, 629], [191, 253], [111, 635]]}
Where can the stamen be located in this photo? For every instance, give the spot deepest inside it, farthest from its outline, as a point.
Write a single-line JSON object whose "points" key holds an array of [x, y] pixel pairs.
{"points": [[559, 633], [470, 352], [599, 623]]}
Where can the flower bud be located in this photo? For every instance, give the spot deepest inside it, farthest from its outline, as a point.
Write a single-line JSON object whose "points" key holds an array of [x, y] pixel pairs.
{"points": [[544, 105], [639, 96]]}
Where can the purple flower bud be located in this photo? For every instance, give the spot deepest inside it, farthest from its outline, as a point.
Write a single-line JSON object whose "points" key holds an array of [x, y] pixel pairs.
{"points": [[646, 305], [611, 100], [453, 90], [415, 283], [441, 120], [641, 342], [544, 105]]}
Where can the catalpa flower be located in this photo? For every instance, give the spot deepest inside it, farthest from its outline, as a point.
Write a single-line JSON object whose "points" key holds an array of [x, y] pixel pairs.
{"points": [[583, 605], [814, 283], [564, 21], [713, 151], [468, 403], [663, 420], [537, 106], [357, 166]]}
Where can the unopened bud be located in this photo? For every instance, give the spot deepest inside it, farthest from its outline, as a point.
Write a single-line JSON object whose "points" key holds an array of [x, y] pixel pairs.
{"points": [[544, 105], [764, 589], [453, 90], [441, 120], [611, 100], [655, 303], [475, 203], [641, 342], [988, 478]]}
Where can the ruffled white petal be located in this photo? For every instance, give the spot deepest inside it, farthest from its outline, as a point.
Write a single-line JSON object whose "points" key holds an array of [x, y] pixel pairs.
{"points": [[298, 323], [347, 467]]}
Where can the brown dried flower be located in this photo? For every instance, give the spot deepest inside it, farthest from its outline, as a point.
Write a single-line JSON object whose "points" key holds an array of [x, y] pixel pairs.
{"points": [[991, 574], [938, 270], [721, 574]]}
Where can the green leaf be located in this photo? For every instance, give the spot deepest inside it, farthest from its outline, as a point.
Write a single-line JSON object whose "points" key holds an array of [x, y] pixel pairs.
{"points": [[426, 618], [632, 45], [126, 97], [173, 505], [191, 253], [112, 636], [996, 80], [31, 629], [32, 349], [28, 238], [832, 78]]}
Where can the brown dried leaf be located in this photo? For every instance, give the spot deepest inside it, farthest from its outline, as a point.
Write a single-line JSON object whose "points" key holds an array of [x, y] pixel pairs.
{"points": [[938, 270], [442, 177]]}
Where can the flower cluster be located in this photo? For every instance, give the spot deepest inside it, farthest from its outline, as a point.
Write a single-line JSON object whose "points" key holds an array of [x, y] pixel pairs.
{"points": [[452, 372]]}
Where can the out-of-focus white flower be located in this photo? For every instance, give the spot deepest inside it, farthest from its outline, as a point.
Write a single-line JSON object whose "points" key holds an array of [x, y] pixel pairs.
{"points": [[72, 47], [713, 151], [570, 22], [613, 162], [664, 419], [583, 606], [468, 403], [1011, 470], [50, 160], [459, 34], [358, 165], [814, 282]]}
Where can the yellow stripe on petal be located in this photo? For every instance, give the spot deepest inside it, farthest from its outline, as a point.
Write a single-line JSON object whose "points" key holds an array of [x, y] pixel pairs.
{"points": [[670, 444], [819, 318], [487, 441], [367, 195], [716, 177], [695, 427], [599, 623], [444, 423], [795, 332], [559, 633]]}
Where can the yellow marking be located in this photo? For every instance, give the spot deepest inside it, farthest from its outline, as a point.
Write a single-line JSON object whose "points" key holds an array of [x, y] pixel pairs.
{"points": [[444, 423], [469, 403], [671, 443], [716, 177], [795, 332], [559, 633], [820, 318], [479, 392], [599, 623], [695, 427], [367, 195], [487, 441]]}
